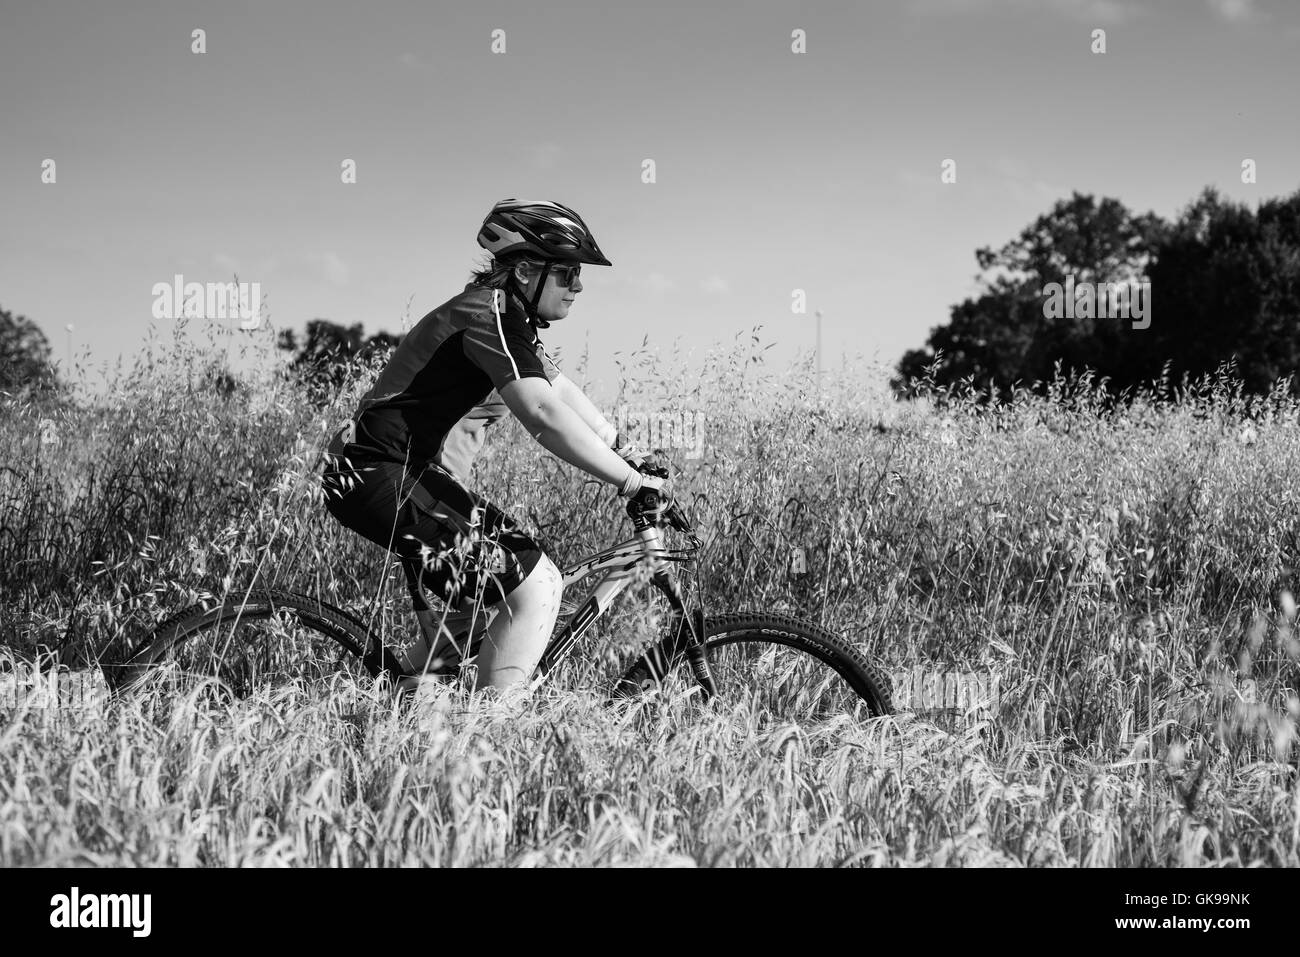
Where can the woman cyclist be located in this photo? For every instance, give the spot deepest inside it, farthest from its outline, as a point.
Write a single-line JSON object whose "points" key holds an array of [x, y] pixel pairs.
{"points": [[397, 472]]}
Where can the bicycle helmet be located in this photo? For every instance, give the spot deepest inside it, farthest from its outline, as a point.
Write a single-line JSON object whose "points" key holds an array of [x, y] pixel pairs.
{"points": [[517, 228], [547, 230]]}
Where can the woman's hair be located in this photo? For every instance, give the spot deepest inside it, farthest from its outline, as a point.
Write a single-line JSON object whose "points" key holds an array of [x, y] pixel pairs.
{"points": [[495, 272]]}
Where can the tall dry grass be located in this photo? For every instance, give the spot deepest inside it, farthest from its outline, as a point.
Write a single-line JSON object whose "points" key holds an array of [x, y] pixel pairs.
{"points": [[1127, 572]]}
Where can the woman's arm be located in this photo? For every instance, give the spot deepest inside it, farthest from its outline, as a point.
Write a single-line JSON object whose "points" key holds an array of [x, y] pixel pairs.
{"points": [[563, 432], [573, 396]]}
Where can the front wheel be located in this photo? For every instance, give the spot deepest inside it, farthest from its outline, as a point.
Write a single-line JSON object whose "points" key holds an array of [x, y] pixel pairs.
{"points": [[775, 667]]}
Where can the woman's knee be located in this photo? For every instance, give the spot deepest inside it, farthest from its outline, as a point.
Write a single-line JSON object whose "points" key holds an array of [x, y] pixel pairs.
{"points": [[542, 582], [545, 581]]}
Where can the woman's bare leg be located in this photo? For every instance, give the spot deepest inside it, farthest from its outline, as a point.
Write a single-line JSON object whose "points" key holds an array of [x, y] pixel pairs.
{"points": [[518, 633]]}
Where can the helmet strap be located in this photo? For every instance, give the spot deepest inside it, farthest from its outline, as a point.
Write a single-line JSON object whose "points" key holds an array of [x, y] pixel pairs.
{"points": [[530, 308], [537, 296]]}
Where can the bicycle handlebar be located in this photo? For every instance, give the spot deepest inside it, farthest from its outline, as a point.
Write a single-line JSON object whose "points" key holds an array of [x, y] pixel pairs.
{"points": [[648, 501]]}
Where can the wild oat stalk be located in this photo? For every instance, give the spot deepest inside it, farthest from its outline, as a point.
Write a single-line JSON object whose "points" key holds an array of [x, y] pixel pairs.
{"points": [[1127, 572]]}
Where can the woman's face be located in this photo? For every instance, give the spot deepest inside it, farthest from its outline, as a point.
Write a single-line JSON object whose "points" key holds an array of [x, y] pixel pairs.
{"points": [[556, 298]]}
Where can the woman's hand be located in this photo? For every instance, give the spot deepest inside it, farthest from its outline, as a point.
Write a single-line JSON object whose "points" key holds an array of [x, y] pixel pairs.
{"points": [[629, 451]]}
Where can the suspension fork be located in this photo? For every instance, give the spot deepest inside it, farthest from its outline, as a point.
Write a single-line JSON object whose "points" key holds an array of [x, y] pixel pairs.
{"points": [[688, 632]]}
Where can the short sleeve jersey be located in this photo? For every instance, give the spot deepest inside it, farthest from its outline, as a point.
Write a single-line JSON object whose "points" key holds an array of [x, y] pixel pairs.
{"points": [[446, 365]]}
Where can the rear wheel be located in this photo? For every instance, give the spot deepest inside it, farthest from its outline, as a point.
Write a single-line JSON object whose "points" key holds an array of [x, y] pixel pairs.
{"points": [[268, 638], [775, 668]]}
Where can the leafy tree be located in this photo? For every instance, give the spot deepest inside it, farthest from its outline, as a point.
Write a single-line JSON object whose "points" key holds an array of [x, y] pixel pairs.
{"points": [[24, 356], [324, 357], [1227, 286], [1224, 282], [1003, 337]]}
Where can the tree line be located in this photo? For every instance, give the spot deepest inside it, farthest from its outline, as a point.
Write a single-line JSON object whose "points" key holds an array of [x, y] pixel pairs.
{"points": [[1223, 285]]}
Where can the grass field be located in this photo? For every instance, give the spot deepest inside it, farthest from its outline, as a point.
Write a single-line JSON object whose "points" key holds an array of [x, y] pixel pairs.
{"points": [[1127, 576]]}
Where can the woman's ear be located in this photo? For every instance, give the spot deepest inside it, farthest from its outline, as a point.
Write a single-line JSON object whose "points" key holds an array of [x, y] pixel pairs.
{"points": [[520, 272]]}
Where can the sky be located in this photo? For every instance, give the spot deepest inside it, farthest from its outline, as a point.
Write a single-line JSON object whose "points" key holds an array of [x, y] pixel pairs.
{"points": [[774, 170]]}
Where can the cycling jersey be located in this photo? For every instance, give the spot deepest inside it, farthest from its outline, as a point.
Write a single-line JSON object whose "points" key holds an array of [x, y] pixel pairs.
{"points": [[444, 368]]}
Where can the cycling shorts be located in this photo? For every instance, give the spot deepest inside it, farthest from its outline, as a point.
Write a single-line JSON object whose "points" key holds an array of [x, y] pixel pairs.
{"points": [[457, 545]]}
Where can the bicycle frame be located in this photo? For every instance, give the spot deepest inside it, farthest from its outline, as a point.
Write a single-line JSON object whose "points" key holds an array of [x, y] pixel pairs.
{"points": [[619, 563]]}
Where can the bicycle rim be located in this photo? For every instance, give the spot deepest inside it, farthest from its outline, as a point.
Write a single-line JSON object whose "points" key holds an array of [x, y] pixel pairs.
{"points": [[228, 651], [777, 683], [775, 669]]}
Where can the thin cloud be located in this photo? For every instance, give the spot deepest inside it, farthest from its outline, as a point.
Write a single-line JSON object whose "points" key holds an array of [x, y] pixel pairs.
{"points": [[1088, 11], [1023, 185], [913, 178], [1095, 11], [1233, 10], [546, 155], [1016, 177], [716, 285], [331, 267], [654, 285]]}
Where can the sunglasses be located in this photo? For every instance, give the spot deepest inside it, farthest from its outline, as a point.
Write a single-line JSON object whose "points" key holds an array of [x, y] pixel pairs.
{"points": [[566, 273]]}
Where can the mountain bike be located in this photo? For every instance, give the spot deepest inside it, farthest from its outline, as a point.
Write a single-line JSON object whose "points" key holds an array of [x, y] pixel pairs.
{"points": [[775, 664]]}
